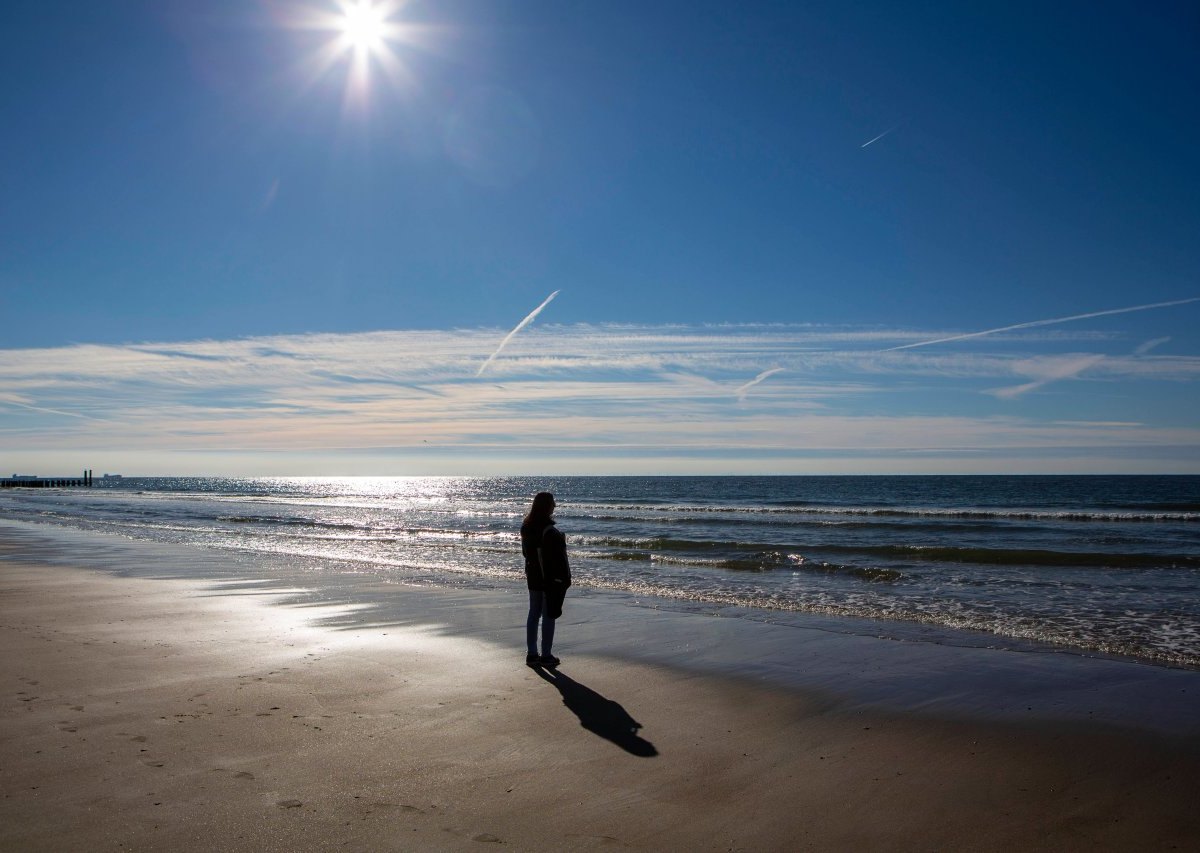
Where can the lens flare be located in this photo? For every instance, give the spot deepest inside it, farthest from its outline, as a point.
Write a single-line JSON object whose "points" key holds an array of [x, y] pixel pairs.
{"points": [[364, 26], [361, 38]]}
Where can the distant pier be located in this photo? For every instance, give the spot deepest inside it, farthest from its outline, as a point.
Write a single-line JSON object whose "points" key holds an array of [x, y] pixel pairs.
{"points": [[32, 481]]}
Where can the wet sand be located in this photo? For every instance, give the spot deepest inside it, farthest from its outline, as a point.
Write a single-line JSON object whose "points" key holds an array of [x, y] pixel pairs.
{"points": [[166, 714]]}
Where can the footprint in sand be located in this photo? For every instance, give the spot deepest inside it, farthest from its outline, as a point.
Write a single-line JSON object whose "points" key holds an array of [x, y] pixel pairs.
{"points": [[604, 840], [138, 738], [289, 804], [153, 763], [402, 807], [487, 838], [242, 774]]}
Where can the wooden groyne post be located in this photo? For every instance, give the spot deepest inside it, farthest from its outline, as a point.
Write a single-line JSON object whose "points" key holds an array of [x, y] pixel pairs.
{"points": [[32, 481]]}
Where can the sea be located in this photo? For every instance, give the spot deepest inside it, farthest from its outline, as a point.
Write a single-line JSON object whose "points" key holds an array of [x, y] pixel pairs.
{"points": [[1094, 565]]}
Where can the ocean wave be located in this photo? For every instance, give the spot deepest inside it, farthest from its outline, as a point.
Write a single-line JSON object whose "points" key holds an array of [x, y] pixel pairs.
{"points": [[764, 561], [1028, 556], [1175, 514], [653, 546], [288, 521]]}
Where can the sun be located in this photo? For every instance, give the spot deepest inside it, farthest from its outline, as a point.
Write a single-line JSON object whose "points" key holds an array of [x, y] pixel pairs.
{"points": [[360, 40], [364, 26]]}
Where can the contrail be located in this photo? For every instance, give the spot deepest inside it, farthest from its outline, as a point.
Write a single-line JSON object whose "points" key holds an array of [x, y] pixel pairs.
{"points": [[880, 136], [1149, 345], [5, 401], [741, 392], [269, 198], [1046, 323], [512, 334]]}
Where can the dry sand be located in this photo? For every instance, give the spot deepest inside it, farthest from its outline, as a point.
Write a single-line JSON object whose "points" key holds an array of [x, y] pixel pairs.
{"points": [[155, 715]]}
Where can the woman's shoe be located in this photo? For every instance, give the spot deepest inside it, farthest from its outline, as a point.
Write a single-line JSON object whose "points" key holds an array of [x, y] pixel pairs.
{"points": [[549, 660], [532, 660]]}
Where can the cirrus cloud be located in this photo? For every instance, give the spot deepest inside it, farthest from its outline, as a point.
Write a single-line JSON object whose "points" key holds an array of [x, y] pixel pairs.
{"points": [[664, 396]]}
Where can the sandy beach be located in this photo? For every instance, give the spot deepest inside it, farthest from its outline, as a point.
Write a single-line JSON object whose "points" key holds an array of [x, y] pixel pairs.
{"points": [[183, 714]]}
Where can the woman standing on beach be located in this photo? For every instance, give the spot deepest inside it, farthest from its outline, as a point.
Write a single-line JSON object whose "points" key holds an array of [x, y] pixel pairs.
{"points": [[547, 574]]}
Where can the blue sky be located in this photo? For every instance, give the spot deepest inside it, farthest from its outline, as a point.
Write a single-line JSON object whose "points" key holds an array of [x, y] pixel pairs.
{"points": [[226, 248]]}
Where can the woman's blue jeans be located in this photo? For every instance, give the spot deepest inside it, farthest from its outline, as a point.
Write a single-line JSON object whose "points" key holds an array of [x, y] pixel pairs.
{"points": [[538, 610]]}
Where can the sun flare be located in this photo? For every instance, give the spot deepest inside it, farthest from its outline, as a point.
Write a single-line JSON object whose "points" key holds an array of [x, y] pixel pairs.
{"points": [[364, 26], [361, 41]]}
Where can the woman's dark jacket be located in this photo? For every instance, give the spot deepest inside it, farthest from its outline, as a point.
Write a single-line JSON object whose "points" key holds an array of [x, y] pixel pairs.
{"points": [[549, 572]]}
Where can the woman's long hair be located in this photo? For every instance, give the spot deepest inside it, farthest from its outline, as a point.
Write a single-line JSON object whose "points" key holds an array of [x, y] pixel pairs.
{"points": [[543, 506]]}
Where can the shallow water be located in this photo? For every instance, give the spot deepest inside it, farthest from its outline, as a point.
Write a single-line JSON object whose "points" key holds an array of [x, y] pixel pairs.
{"points": [[1109, 564]]}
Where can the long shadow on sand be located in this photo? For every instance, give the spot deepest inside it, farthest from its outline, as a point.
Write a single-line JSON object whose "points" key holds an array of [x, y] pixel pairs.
{"points": [[599, 715]]}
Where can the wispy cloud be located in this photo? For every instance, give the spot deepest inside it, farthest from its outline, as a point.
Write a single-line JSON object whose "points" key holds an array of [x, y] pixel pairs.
{"points": [[1047, 370], [667, 392], [1149, 345], [528, 319], [740, 393], [1050, 322]]}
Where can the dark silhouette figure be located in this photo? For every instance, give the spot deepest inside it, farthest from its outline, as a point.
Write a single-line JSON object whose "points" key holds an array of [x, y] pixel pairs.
{"points": [[599, 715], [547, 574]]}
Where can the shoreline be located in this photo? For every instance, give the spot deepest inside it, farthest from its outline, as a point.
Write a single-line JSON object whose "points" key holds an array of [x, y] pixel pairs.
{"points": [[855, 662], [1099, 569], [179, 713]]}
